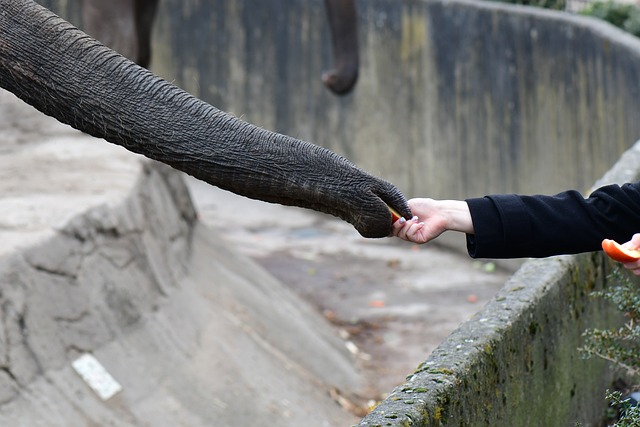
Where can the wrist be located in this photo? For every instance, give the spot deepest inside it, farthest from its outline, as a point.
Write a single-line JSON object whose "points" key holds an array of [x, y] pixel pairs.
{"points": [[458, 216]]}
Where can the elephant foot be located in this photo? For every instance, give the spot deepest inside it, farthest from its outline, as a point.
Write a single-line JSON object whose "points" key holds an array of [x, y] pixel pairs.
{"points": [[339, 83]]}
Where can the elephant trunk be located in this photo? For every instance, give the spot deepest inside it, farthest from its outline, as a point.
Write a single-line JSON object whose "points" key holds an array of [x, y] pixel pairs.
{"points": [[70, 76]]}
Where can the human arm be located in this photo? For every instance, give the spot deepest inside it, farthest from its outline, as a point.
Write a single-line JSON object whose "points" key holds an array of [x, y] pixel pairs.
{"points": [[432, 218], [515, 226]]}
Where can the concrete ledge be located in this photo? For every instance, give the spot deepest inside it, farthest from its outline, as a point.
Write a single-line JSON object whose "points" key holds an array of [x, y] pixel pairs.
{"points": [[516, 362]]}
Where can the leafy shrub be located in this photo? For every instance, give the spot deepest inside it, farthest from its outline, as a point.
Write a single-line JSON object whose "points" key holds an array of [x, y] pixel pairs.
{"points": [[623, 15], [546, 4], [628, 415], [620, 346]]}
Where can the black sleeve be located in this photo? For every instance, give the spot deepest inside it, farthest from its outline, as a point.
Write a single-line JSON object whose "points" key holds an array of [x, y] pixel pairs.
{"points": [[514, 226]]}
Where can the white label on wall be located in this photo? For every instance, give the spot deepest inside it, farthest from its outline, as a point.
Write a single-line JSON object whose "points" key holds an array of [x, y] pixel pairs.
{"points": [[96, 376]]}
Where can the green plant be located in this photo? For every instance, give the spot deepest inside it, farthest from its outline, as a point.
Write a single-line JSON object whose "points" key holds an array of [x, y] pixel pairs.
{"points": [[628, 415], [546, 4], [623, 15], [620, 346], [632, 24]]}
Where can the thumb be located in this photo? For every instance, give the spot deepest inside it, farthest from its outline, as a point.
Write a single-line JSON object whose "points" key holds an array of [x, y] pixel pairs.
{"points": [[634, 243]]}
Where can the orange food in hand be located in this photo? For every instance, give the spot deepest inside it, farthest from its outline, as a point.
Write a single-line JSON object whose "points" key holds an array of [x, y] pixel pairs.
{"points": [[618, 252], [394, 214]]}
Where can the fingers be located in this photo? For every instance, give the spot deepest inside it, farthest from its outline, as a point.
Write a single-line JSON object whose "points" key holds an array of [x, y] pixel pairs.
{"points": [[633, 267], [409, 230], [634, 244]]}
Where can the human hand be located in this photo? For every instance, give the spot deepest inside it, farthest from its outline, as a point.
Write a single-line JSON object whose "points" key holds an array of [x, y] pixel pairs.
{"points": [[634, 243], [432, 218]]}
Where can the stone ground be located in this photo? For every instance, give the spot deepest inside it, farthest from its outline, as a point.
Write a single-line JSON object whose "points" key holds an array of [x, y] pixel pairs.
{"points": [[393, 302]]}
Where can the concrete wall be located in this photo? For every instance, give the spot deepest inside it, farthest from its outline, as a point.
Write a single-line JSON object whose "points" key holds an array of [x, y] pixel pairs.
{"points": [[455, 98]]}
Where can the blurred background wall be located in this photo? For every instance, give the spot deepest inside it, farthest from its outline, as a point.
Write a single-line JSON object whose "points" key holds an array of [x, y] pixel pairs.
{"points": [[455, 99]]}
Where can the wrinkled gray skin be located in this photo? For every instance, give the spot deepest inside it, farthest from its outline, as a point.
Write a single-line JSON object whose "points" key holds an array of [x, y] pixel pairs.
{"points": [[125, 26], [66, 74]]}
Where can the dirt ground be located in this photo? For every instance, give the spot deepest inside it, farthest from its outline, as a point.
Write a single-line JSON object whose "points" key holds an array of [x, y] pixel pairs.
{"points": [[391, 301]]}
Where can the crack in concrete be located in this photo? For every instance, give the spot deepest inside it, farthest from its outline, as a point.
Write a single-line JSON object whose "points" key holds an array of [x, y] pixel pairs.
{"points": [[14, 384], [24, 332], [7, 371], [74, 319], [53, 272]]}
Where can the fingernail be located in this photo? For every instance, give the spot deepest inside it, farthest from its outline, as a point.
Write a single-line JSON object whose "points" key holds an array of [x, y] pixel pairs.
{"points": [[415, 218], [402, 220]]}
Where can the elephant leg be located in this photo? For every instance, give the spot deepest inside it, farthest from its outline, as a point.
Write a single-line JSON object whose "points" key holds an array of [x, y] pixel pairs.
{"points": [[145, 12], [123, 25], [344, 38]]}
